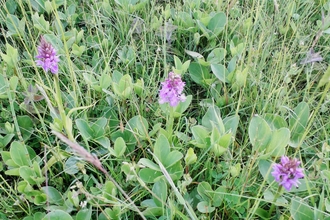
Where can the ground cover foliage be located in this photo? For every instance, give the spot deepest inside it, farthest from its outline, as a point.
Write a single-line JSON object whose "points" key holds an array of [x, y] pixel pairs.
{"points": [[92, 141]]}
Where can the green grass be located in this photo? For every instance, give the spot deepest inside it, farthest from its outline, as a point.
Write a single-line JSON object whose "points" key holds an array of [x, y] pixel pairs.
{"points": [[114, 55]]}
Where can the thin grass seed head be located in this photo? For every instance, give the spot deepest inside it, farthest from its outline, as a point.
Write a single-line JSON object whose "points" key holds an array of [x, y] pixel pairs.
{"points": [[287, 173], [171, 90], [47, 57]]}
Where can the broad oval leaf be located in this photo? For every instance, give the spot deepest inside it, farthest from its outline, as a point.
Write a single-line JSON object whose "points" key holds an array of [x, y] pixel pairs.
{"points": [[160, 193], [220, 72], [19, 154], [259, 133], [57, 215]]}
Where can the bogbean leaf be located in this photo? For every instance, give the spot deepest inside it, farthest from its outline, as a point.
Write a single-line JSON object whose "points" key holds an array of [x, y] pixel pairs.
{"points": [[27, 174], [213, 116], [140, 125], [205, 207], [217, 23], [190, 157], [205, 191], [11, 57], [119, 147], [298, 122], [172, 158], [160, 192], [199, 74], [300, 210], [84, 214], [279, 140], [148, 163], [216, 56], [57, 215], [220, 72], [259, 133], [149, 175], [84, 128], [40, 23], [162, 148], [231, 124], [200, 135], [53, 195], [19, 154], [109, 191]]}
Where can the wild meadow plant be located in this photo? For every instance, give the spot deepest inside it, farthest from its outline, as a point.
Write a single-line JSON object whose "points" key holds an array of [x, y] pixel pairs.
{"points": [[90, 129]]}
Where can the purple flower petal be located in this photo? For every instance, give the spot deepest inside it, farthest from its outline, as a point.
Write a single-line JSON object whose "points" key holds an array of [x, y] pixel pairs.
{"points": [[287, 173], [47, 57], [171, 90]]}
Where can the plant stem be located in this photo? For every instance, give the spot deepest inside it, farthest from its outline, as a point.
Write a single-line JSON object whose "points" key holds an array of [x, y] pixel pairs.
{"points": [[65, 123], [278, 193]]}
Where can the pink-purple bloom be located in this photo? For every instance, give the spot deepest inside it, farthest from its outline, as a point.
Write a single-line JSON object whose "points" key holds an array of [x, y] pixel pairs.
{"points": [[287, 173], [172, 89], [47, 57]]}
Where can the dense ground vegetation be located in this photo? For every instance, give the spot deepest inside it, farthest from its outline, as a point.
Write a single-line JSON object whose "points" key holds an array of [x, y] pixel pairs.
{"points": [[91, 140]]}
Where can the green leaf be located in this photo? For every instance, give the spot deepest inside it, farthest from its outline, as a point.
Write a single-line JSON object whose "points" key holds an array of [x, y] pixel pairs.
{"points": [[265, 168], [212, 116], [119, 147], [206, 31], [162, 148], [205, 191], [217, 23], [84, 214], [220, 72], [279, 140], [27, 174], [153, 211], [78, 50], [275, 121], [140, 125], [160, 192], [216, 55], [103, 141], [182, 107], [123, 89], [325, 78], [269, 196], [53, 195], [109, 191], [300, 210], [19, 154], [57, 215], [200, 135], [190, 157], [85, 131], [4, 141], [172, 158], [148, 163], [241, 77], [298, 122], [26, 126], [40, 23], [54, 41], [11, 56], [98, 127], [15, 26], [231, 124], [219, 195], [70, 166], [205, 207], [199, 74], [259, 133], [149, 176], [11, 6], [3, 85]]}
